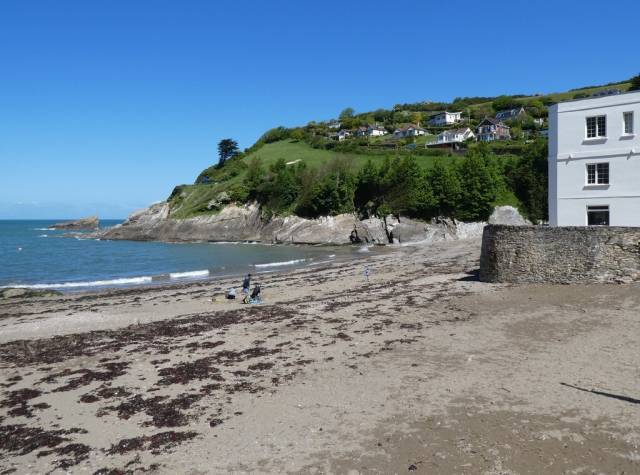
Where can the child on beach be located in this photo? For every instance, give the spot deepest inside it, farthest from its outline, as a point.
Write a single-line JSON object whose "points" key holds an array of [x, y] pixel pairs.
{"points": [[246, 284]]}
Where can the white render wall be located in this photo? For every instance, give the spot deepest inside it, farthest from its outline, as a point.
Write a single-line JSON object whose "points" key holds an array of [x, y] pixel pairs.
{"points": [[570, 151]]}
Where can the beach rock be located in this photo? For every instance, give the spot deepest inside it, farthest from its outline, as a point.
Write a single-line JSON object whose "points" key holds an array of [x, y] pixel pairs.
{"points": [[508, 215], [89, 223], [11, 292], [235, 223]]}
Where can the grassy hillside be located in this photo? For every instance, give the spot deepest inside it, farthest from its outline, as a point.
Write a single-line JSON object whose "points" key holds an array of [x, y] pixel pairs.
{"points": [[193, 200]]}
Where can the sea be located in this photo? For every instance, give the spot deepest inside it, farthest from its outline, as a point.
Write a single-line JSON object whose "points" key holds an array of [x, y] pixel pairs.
{"points": [[32, 255]]}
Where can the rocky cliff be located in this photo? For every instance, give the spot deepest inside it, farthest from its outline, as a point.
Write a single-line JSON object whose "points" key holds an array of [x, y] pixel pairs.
{"points": [[246, 223]]}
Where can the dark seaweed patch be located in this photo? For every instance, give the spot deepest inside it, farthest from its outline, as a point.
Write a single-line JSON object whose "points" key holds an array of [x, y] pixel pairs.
{"points": [[17, 401], [21, 440], [157, 443]]}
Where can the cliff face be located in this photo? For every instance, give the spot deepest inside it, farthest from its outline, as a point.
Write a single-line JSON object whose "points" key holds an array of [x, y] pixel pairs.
{"points": [[245, 223]]}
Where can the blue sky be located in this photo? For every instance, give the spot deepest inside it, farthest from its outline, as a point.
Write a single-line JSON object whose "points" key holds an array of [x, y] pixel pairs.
{"points": [[106, 105]]}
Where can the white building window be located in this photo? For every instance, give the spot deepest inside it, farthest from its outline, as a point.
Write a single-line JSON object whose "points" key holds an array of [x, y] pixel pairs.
{"points": [[596, 126], [597, 216], [627, 118], [597, 174]]}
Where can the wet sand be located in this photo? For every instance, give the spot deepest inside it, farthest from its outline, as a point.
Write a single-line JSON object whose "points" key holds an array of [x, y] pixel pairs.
{"points": [[420, 369]]}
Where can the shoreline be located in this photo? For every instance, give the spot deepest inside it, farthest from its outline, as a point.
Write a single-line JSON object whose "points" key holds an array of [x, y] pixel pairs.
{"points": [[420, 367], [177, 276]]}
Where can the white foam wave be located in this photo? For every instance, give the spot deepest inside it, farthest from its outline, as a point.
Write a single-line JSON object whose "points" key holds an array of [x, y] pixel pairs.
{"points": [[43, 235], [43, 229], [364, 249], [93, 283], [279, 264], [186, 275]]}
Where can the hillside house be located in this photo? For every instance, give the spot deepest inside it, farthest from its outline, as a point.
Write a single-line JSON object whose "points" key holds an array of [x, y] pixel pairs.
{"points": [[370, 131], [343, 134], [455, 136], [491, 129], [376, 131], [594, 161], [511, 114], [408, 131], [445, 118]]}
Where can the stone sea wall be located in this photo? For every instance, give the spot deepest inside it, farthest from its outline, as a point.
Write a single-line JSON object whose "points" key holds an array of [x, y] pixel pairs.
{"points": [[540, 254]]}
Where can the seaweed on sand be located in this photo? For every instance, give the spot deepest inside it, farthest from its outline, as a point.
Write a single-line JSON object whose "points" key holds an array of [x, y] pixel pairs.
{"points": [[157, 443]]}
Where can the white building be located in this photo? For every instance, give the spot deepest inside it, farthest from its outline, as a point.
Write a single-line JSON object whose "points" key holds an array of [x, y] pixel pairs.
{"points": [[343, 134], [376, 131], [445, 118], [455, 136], [409, 131], [370, 131], [594, 161]]}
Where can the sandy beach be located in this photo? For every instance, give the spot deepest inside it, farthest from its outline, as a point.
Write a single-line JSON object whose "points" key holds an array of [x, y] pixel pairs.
{"points": [[419, 369]]}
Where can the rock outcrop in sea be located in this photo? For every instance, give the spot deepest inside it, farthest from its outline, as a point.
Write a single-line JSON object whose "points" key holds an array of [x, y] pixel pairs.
{"points": [[85, 224], [246, 223]]}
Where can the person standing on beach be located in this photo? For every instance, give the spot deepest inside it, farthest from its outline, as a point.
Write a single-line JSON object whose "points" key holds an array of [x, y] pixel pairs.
{"points": [[366, 273], [246, 284]]}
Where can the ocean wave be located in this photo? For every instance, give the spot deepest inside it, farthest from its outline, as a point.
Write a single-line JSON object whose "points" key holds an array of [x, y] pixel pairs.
{"points": [[43, 235], [93, 283], [278, 264], [185, 275], [364, 249], [43, 229]]}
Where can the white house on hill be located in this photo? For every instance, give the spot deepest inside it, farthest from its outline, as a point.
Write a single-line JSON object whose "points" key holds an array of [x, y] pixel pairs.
{"points": [[455, 136], [594, 161], [445, 118], [409, 131], [371, 131], [343, 134]]}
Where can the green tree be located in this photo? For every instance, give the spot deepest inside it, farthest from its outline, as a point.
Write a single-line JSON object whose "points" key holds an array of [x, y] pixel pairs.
{"points": [[254, 178], [227, 148], [331, 192], [445, 186], [406, 191], [346, 114], [635, 83], [368, 190], [279, 189], [480, 184], [530, 181]]}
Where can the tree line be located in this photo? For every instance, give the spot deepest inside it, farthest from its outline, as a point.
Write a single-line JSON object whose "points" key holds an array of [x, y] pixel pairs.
{"points": [[465, 189]]}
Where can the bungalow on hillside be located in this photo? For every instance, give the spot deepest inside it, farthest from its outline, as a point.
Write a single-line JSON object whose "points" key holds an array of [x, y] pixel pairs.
{"points": [[445, 118], [408, 131], [370, 131], [511, 114], [491, 129], [455, 136], [343, 134], [376, 131]]}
